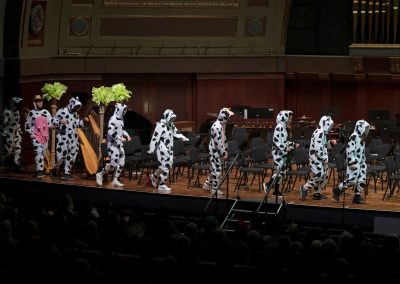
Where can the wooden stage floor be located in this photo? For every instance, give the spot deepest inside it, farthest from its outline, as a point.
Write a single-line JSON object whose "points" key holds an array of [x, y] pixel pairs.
{"points": [[320, 211]]}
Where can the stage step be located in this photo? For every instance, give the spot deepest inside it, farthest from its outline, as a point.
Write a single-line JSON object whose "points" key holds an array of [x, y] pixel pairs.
{"points": [[246, 211]]}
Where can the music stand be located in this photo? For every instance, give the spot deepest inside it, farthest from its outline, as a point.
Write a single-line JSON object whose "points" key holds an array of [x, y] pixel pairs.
{"points": [[239, 110], [260, 113], [378, 115]]}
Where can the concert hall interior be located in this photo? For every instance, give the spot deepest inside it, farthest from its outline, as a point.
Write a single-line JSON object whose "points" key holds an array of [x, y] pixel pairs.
{"points": [[104, 74]]}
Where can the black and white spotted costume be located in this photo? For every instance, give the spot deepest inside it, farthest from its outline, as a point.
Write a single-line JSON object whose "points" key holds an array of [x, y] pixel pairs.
{"points": [[356, 164], [280, 147], [218, 149], [115, 146], [67, 138], [11, 130], [162, 142], [318, 156], [39, 142]]}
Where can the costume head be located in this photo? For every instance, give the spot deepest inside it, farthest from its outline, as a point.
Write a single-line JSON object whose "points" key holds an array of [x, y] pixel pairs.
{"points": [[326, 123], [362, 128], [284, 117], [14, 102], [74, 104], [120, 110], [169, 116], [224, 114], [38, 102]]}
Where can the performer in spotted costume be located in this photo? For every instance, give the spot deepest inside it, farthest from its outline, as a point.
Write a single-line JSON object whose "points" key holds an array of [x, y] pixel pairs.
{"points": [[280, 149], [318, 154], [116, 135], [67, 120], [217, 148], [11, 131], [37, 125], [162, 142], [356, 164]]}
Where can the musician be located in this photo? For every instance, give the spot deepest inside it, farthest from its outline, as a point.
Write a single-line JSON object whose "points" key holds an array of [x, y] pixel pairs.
{"points": [[318, 154], [11, 131], [116, 135], [356, 165], [218, 150], [162, 142], [281, 148], [37, 125], [67, 121]]}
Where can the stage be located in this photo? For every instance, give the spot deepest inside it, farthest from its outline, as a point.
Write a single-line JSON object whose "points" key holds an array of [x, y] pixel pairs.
{"points": [[377, 215]]}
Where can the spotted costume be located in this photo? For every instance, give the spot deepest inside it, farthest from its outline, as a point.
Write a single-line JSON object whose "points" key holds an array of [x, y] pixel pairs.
{"points": [[356, 163], [115, 146], [318, 156], [11, 130], [280, 148], [162, 142], [217, 148], [37, 125], [67, 138]]}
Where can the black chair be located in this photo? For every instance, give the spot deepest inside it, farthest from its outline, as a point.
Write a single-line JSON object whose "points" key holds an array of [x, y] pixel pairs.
{"points": [[181, 160], [378, 165], [133, 155], [332, 152], [340, 166], [256, 166], [149, 163], [393, 178], [302, 169], [197, 166]]}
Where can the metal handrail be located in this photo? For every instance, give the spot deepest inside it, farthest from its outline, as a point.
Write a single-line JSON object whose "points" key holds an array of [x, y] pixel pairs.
{"points": [[268, 189], [215, 194]]}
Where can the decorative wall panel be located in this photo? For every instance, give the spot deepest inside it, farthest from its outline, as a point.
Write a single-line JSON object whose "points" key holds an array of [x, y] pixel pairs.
{"points": [[174, 26], [174, 4], [37, 21], [82, 2]]}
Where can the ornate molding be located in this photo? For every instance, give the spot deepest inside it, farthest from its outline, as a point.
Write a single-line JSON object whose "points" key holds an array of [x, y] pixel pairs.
{"points": [[173, 4], [358, 64], [394, 64], [79, 26]]}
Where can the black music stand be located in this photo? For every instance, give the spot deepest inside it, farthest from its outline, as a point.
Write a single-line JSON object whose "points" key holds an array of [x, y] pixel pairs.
{"points": [[260, 113], [378, 115], [239, 110]]}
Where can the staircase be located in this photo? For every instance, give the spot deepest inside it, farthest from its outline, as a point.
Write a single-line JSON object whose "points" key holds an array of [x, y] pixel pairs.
{"points": [[244, 211]]}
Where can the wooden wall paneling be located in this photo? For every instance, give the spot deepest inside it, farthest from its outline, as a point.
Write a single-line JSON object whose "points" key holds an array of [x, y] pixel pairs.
{"points": [[139, 97], [263, 91], [360, 106], [173, 94], [290, 96], [307, 99], [344, 96], [259, 93], [380, 96], [325, 83], [280, 90], [214, 94]]}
